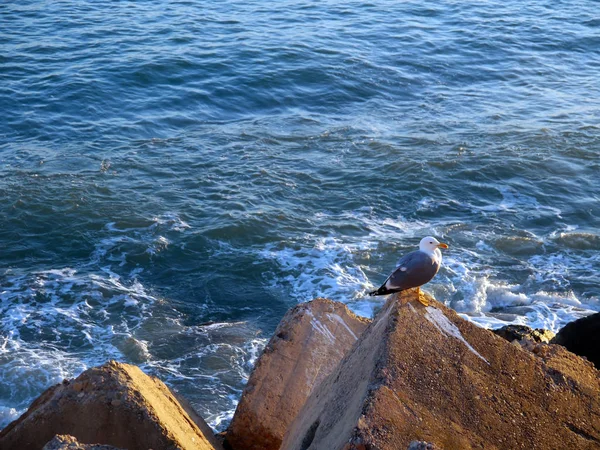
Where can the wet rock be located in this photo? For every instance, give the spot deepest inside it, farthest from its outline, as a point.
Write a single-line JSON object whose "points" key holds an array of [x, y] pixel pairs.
{"points": [[114, 404], [424, 374], [520, 332], [308, 344], [579, 240], [134, 350], [66, 442], [519, 245], [582, 337]]}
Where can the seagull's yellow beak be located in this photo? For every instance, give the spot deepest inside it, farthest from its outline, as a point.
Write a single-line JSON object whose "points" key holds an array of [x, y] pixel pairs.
{"points": [[442, 245]]}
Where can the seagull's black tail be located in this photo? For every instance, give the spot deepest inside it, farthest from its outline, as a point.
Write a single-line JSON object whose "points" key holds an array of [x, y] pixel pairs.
{"points": [[382, 291]]}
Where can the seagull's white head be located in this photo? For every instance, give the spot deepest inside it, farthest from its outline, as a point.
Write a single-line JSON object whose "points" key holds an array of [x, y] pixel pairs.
{"points": [[430, 245]]}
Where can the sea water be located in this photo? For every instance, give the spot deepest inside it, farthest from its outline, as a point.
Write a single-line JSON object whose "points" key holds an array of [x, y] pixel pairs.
{"points": [[175, 175]]}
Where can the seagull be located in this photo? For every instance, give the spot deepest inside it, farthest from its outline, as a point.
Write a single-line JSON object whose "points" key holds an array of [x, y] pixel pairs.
{"points": [[415, 269]]}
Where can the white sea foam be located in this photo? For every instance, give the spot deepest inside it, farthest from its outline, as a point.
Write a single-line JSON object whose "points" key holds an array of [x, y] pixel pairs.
{"points": [[56, 323], [104, 317], [92, 307], [172, 221], [49, 317], [339, 267], [514, 200], [125, 240], [325, 270], [217, 382], [8, 414], [336, 267], [483, 297], [344, 268]]}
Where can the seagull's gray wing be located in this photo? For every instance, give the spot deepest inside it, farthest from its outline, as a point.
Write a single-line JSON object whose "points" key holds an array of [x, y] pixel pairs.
{"points": [[414, 269]]}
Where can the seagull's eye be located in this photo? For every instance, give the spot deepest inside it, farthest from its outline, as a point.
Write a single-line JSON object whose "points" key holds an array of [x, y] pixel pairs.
{"points": [[430, 242]]}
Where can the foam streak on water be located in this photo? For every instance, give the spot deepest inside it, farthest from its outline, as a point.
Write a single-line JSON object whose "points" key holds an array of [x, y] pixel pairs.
{"points": [[175, 175]]}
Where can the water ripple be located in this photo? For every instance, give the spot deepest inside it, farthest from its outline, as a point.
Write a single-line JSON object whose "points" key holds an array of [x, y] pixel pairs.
{"points": [[165, 165]]}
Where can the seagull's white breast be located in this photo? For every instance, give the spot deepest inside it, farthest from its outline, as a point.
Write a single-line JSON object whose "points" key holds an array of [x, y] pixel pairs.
{"points": [[436, 256]]}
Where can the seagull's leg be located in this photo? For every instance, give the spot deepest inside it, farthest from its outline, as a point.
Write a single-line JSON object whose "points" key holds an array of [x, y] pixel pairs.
{"points": [[421, 297]]}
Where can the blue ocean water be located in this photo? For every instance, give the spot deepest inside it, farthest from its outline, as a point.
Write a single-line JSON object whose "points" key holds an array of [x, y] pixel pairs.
{"points": [[175, 175]]}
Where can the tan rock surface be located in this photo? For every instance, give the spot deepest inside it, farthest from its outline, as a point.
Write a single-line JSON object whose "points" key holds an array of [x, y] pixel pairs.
{"points": [[425, 374], [115, 404], [308, 344]]}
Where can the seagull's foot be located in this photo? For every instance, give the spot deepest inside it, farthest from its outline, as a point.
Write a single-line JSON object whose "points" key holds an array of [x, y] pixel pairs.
{"points": [[421, 297]]}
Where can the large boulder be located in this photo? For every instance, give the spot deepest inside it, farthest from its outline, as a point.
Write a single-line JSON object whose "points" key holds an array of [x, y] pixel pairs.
{"points": [[308, 344], [582, 337], [424, 374], [114, 404], [520, 332]]}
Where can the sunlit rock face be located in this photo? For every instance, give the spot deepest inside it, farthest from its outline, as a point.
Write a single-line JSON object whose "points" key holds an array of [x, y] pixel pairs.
{"points": [[424, 374], [115, 404], [308, 344]]}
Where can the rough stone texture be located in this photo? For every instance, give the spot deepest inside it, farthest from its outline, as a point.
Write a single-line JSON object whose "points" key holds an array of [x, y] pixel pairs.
{"points": [[424, 374], [582, 337], [308, 344], [66, 442], [520, 332], [115, 404]]}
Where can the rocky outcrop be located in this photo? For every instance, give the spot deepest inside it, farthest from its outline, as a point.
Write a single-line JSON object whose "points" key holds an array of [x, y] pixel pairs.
{"points": [[66, 442], [114, 404], [582, 337], [520, 332], [424, 374], [308, 344]]}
